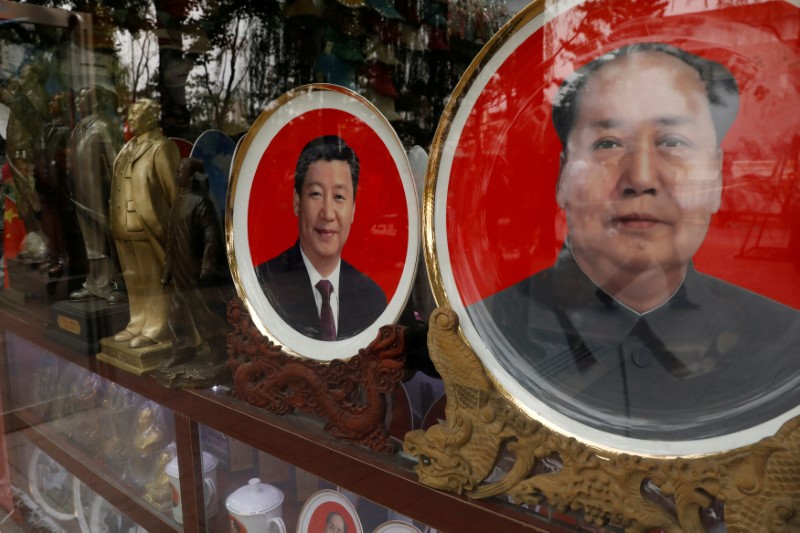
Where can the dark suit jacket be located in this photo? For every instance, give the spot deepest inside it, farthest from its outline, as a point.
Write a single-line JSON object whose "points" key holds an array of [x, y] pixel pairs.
{"points": [[285, 281], [714, 359]]}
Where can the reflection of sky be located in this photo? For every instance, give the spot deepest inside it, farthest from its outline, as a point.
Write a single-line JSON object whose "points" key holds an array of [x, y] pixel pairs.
{"points": [[515, 6], [4, 112]]}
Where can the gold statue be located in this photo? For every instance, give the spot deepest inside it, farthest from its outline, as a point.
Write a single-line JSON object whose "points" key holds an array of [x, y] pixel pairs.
{"points": [[150, 436], [120, 407], [159, 492], [142, 190]]}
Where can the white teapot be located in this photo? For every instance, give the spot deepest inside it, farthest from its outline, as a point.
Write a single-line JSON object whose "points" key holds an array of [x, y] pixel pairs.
{"points": [[256, 508]]}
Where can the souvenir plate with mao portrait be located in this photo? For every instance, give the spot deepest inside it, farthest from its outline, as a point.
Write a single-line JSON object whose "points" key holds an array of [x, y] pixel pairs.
{"points": [[328, 510], [613, 212]]}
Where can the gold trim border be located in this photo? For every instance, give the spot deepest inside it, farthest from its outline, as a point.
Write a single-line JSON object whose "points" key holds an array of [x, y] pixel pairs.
{"points": [[432, 262], [758, 484], [442, 132]]}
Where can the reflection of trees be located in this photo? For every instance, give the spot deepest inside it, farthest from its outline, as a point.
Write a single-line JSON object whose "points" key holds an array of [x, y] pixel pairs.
{"points": [[218, 63], [138, 45], [224, 61], [582, 32], [235, 51]]}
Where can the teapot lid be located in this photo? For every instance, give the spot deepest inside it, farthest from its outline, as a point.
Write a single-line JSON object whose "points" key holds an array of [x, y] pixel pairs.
{"points": [[254, 498], [209, 462]]}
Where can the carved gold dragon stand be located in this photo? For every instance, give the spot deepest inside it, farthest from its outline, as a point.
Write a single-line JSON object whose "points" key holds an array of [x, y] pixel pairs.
{"points": [[349, 395], [759, 485]]}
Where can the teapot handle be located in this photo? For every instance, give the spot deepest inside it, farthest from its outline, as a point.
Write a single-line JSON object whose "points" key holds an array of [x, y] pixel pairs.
{"points": [[276, 525]]}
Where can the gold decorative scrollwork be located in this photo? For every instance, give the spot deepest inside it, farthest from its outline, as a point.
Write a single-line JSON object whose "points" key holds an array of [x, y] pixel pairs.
{"points": [[759, 485]]}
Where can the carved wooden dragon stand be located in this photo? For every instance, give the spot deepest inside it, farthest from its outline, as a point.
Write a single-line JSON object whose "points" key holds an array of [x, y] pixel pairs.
{"points": [[758, 485], [350, 394]]}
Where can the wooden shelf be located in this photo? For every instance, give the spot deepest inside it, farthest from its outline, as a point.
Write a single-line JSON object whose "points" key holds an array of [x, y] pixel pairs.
{"points": [[91, 472], [297, 439]]}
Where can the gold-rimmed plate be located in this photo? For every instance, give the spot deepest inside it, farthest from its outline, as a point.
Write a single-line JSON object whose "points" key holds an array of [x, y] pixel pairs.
{"points": [[718, 374], [383, 241]]}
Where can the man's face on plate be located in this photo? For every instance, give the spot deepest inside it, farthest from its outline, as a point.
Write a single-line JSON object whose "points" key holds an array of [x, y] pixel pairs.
{"points": [[641, 175], [325, 209], [335, 524]]}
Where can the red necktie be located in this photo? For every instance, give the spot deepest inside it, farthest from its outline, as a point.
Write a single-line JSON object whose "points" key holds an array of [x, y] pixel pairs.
{"points": [[326, 324]]}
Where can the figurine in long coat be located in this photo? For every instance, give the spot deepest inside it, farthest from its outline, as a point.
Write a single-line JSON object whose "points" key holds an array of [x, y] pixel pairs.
{"points": [[94, 146], [196, 267], [142, 191]]}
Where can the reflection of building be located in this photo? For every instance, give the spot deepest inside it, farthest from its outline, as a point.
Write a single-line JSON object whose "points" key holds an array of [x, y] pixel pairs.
{"points": [[760, 194], [755, 187]]}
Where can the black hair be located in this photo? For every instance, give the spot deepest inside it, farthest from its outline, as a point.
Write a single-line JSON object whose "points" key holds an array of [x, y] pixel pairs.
{"points": [[326, 148], [194, 164], [105, 100], [191, 173], [721, 87]]}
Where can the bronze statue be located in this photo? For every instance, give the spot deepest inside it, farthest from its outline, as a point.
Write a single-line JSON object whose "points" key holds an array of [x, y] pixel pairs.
{"points": [[142, 190], [50, 173], [27, 101], [196, 266], [95, 144]]}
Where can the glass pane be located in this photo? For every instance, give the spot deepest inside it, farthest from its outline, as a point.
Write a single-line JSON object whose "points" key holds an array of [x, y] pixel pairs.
{"points": [[117, 434]]}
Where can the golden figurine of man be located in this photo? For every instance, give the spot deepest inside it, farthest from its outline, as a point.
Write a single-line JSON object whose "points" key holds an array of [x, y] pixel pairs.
{"points": [[142, 190]]}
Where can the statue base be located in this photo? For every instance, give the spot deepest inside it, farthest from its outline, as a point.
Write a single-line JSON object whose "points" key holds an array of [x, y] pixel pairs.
{"points": [[137, 361], [81, 325], [205, 370], [30, 290]]}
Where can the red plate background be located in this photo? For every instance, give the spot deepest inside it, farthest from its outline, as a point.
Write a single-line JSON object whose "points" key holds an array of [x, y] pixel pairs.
{"points": [[378, 238], [503, 223]]}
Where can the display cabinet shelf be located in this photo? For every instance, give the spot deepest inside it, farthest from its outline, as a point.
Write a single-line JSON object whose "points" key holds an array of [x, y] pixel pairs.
{"points": [[300, 440], [91, 472]]}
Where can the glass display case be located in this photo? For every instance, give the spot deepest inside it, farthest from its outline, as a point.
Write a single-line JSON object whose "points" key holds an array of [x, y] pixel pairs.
{"points": [[169, 166], [91, 448]]}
